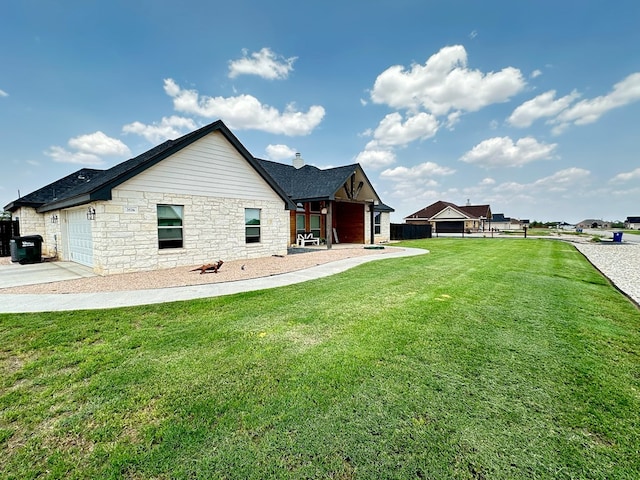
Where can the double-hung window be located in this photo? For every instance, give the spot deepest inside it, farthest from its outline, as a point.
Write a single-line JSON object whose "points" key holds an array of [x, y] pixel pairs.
{"points": [[300, 223], [314, 221], [170, 226], [252, 225], [376, 223]]}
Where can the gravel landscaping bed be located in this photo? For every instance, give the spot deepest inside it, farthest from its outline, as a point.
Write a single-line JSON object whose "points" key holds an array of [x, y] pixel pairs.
{"points": [[619, 262], [299, 258]]}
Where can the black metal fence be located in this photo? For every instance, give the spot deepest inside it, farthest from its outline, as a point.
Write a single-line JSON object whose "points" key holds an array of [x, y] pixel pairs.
{"points": [[406, 231], [8, 230]]}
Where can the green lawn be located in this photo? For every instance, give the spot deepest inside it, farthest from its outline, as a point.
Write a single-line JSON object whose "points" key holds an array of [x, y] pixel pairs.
{"points": [[485, 359]]}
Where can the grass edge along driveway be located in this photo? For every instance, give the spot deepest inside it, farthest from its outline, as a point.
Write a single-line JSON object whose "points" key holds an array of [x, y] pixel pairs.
{"points": [[487, 358]]}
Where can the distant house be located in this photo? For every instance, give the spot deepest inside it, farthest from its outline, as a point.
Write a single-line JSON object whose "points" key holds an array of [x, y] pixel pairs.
{"points": [[445, 217], [338, 204], [632, 223], [499, 222], [193, 200], [593, 223]]}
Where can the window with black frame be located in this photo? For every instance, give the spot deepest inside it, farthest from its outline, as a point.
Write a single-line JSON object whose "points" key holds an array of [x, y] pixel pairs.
{"points": [[252, 225], [170, 233], [376, 222]]}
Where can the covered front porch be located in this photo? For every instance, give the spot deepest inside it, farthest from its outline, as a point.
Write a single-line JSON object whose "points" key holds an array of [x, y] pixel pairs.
{"points": [[334, 222]]}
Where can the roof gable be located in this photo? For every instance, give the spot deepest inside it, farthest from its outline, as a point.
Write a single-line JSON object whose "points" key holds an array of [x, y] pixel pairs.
{"points": [[449, 212], [435, 209], [100, 186], [310, 183]]}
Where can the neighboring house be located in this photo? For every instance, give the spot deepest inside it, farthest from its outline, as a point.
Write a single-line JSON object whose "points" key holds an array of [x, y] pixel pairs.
{"points": [[501, 223], [593, 223], [446, 217], [632, 223], [337, 205], [193, 200], [566, 226]]}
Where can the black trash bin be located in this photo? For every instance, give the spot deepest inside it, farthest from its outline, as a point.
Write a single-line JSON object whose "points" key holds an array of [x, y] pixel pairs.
{"points": [[617, 237], [26, 249]]}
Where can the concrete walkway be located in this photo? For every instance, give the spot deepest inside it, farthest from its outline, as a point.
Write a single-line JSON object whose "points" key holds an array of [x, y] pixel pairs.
{"points": [[93, 301]]}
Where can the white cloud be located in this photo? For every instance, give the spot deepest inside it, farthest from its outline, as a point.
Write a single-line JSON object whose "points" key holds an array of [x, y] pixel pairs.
{"points": [[487, 181], [413, 184], [392, 132], [444, 84], [265, 64], [626, 176], [376, 158], [536, 73], [3, 93], [88, 149], [99, 144], [452, 119], [563, 180], [245, 112], [544, 105], [473, 34], [502, 152], [418, 172], [280, 152], [590, 110], [168, 128], [61, 155], [560, 181]]}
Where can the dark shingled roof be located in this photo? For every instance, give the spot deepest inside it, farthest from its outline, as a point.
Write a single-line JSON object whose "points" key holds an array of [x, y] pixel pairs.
{"points": [[70, 191], [381, 207], [499, 217], [473, 211], [308, 182], [58, 189]]}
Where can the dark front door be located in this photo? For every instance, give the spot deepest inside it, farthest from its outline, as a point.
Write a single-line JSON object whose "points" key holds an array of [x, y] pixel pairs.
{"points": [[348, 221]]}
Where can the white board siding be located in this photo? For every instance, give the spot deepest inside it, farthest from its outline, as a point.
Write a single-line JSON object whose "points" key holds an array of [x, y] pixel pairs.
{"points": [[80, 237], [449, 213], [209, 167]]}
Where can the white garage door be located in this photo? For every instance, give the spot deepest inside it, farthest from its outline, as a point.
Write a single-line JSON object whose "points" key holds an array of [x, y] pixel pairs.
{"points": [[79, 237]]}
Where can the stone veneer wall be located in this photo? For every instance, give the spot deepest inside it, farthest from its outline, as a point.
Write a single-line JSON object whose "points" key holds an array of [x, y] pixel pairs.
{"points": [[47, 225], [31, 222], [385, 227], [125, 234], [52, 246]]}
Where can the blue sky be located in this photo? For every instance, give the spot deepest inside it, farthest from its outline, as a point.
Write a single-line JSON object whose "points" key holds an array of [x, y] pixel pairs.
{"points": [[530, 106]]}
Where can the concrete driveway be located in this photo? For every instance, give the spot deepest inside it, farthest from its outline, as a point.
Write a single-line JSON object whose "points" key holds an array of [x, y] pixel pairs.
{"points": [[15, 275]]}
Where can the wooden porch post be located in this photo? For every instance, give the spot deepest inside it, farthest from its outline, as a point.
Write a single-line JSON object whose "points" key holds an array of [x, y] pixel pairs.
{"points": [[329, 224], [372, 214]]}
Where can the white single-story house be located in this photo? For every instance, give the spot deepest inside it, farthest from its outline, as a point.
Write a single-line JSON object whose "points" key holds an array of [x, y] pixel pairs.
{"points": [[189, 201], [501, 223], [632, 223]]}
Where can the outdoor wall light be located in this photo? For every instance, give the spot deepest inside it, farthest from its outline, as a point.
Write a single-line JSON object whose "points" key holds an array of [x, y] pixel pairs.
{"points": [[91, 213], [323, 211], [54, 218]]}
